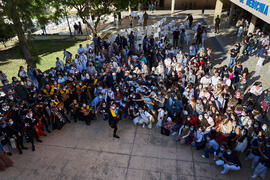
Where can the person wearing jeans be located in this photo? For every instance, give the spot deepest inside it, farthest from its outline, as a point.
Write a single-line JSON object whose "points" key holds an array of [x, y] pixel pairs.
{"points": [[210, 147], [233, 55], [229, 161], [264, 162]]}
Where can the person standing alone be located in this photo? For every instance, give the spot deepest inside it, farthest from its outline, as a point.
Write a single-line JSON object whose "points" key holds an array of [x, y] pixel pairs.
{"points": [[217, 23], [114, 117]]}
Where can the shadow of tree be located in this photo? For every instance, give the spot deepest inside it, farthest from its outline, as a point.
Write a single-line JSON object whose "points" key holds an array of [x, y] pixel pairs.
{"points": [[37, 48]]}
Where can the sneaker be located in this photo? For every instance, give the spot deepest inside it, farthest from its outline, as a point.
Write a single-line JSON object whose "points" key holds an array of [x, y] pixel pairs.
{"points": [[203, 156], [174, 133], [223, 172], [115, 136], [253, 177]]}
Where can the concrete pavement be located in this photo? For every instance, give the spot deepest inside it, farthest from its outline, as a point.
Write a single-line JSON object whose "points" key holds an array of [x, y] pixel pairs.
{"points": [[89, 152]]}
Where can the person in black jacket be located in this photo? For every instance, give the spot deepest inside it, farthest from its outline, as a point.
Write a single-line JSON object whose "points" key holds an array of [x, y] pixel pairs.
{"points": [[114, 117], [229, 161], [30, 131], [14, 131], [264, 162]]}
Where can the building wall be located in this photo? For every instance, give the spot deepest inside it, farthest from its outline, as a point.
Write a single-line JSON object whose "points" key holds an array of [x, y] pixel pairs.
{"points": [[193, 4], [254, 8]]}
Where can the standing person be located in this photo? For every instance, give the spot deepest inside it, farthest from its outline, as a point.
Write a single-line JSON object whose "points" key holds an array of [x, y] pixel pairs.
{"points": [[80, 28], [145, 18], [22, 73], [262, 56], [130, 21], [59, 64], [96, 45], [119, 17], [217, 23], [234, 54], [30, 131], [75, 26], [131, 40], [43, 28], [176, 35], [204, 36], [190, 19], [114, 117], [67, 56]]}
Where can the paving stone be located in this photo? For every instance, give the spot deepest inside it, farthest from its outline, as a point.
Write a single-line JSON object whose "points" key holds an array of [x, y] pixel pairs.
{"points": [[185, 168]]}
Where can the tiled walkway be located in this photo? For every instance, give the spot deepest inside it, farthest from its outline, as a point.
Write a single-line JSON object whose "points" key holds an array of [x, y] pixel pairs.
{"points": [[89, 152]]}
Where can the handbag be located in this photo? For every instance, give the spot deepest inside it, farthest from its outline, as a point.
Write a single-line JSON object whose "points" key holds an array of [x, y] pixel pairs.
{"points": [[165, 131]]}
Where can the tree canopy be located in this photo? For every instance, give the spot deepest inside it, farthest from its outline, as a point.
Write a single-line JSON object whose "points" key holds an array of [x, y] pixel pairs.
{"points": [[20, 17]]}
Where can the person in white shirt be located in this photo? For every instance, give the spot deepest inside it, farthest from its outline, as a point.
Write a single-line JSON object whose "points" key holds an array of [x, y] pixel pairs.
{"points": [[144, 118], [256, 89], [179, 57], [206, 80], [167, 61], [227, 81], [84, 61], [78, 63], [215, 79], [210, 121], [161, 114]]}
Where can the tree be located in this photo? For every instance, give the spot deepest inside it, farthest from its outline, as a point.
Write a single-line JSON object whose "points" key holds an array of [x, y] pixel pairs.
{"points": [[6, 32], [97, 9], [21, 14], [60, 9]]}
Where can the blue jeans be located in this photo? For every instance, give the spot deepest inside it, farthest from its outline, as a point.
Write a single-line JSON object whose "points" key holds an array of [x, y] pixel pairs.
{"points": [[176, 127], [258, 52], [232, 61], [250, 49], [207, 151]]}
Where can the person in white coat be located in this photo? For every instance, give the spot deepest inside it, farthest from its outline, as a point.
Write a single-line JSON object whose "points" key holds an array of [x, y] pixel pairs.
{"points": [[143, 118], [160, 118]]}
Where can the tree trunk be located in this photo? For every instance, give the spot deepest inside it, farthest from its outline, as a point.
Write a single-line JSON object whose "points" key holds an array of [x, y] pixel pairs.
{"points": [[22, 39], [68, 26], [92, 30]]}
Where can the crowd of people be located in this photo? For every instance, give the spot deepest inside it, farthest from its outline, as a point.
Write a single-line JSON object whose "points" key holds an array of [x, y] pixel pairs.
{"points": [[154, 85]]}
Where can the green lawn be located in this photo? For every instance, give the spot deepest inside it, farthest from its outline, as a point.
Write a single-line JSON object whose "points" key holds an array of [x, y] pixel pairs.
{"points": [[46, 51]]}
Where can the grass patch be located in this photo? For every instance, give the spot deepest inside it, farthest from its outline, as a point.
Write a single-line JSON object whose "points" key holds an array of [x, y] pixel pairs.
{"points": [[45, 51]]}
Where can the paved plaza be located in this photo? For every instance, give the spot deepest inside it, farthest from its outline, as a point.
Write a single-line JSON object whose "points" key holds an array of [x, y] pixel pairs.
{"points": [[89, 152]]}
